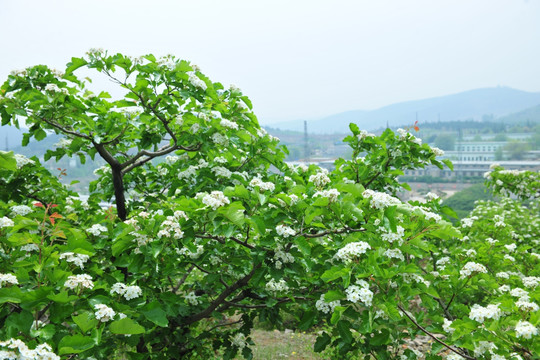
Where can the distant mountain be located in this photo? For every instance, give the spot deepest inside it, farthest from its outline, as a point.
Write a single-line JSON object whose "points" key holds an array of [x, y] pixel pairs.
{"points": [[471, 104], [531, 115]]}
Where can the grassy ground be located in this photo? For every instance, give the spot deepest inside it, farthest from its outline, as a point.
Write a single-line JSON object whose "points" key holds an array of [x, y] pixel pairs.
{"points": [[275, 345]]}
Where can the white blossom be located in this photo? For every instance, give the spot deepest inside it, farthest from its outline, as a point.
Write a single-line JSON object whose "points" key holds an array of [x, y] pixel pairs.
{"points": [[8, 279], [196, 81], [229, 124], [6, 222], [380, 200], [77, 259], [357, 293], [470, 268], [82, 281], [285, 231], [326, 307], [215, 199], [525, 329], [352, 250], [104, 313], [21, 210], [279, 286], [96, 229], [331, 194], [480, 313], [320, 179], [257, 182]]}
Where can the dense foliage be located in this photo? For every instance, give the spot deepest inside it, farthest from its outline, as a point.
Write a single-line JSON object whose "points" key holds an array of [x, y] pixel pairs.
{"points": [[217, 231]]}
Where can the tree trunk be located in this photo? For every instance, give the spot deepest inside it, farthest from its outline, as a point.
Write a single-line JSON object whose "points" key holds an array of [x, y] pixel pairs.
{"points": [[118, 183]]}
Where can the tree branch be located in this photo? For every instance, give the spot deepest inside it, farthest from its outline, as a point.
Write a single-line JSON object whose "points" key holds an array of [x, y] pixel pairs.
{"points": [[433, 336]]}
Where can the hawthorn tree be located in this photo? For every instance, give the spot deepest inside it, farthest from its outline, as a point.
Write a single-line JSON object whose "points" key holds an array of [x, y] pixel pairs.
{"points": [[213, 239]]}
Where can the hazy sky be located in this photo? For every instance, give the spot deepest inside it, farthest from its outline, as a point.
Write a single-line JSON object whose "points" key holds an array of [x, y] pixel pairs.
{"points": [[296, 59]]}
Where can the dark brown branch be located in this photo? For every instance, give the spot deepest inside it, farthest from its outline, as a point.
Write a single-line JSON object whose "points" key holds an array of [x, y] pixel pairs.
{"points": [[327, 232], [65, 130], [220, 299], [433, 336], [222, 240], [183, 279]]}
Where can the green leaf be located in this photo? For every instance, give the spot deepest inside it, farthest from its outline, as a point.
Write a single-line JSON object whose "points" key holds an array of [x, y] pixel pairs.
{"points": [[354, 128], [126, 326], [344, 330], [40, 134], [336, 315], [303, 245], [307, 320], [234, 212], [334, 295], [62, 297], [75, 344], [155, 314], [85, 321], [322, 342], [11, 294], [381, 338], [334, 273], [75, 64], [7, 161]]}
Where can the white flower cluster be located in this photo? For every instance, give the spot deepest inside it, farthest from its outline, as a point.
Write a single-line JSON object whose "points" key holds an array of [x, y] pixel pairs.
{"points": [[192, 299], [326, 307], [170, 227], [441, 263], [484, 346], [468, 222], [41, 352], [361, 293], [129, 292], [530, 281], [215, 199], [82, 281], [257, 182], [195, 81], [394, 253], [447, 326], [320, 179], [8, 279], [282, 257], [285, 231], [470, 268], [222, 171], [331, 194], [96, 229], [22, 160], [279, 286], [410, 277], [437, 151], [525, 304], [380, 200], [229, 124], [364, 134], [352, 250], [55, 88], [104, 313], [220, 139], [432, 196], [21, 210], [30, 247], [239, 340], [77, 259], [391, 237], [194, 255], [6, 222], [480, 313], [404, 135], [428, 215], [525, 329]]}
